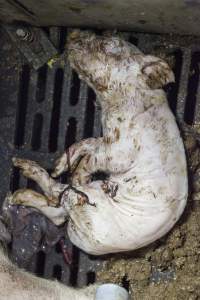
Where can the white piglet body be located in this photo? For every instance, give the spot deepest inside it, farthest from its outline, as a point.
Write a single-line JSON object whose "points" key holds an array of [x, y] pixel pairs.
{"points": [[151, 194], [141, 150]]}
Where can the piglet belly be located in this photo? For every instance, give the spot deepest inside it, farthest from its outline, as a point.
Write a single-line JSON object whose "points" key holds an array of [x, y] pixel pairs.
{"points": [[120, 226]]}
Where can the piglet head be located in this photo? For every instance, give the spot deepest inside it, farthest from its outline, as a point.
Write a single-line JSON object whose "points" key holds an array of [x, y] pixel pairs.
{"points": [[114, 67]]}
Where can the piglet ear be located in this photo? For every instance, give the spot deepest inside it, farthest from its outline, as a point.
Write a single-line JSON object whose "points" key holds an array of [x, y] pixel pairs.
{"points": [[156, 72]]}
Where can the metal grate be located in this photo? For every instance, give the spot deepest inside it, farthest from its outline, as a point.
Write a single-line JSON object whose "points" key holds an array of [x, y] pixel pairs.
{"points": [[44, 111]]}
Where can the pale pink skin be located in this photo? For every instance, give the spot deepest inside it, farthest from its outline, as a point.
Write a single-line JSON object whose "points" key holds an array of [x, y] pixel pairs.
{"points": [[16, 284], [141, 149]]}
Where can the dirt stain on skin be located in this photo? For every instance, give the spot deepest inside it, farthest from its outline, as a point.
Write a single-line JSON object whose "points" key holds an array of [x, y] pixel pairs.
{"points": [[117, 134], [109, 158], [177, 253], [107, 140], [120, 120]]}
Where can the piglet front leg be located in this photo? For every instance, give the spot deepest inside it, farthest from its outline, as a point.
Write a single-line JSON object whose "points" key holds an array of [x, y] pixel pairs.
{"points": [[71, 158]]}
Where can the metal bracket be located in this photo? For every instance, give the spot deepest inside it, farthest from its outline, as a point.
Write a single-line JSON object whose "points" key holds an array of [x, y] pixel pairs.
{"points": [[33, 43]]}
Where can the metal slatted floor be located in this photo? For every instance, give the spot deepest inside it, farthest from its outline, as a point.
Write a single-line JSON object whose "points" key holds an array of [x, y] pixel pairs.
{"points": [[43, 112]]}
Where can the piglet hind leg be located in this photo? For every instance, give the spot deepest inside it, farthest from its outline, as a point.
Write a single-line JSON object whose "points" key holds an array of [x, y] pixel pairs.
{"points": [[36, 200], [49, 186]]}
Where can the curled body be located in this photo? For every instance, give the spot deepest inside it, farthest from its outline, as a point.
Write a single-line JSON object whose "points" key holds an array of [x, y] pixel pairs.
{"points": [[141, 150]]}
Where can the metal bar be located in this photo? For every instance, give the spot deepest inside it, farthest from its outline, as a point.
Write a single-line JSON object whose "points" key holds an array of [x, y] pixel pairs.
{"points": [[182, 93]]}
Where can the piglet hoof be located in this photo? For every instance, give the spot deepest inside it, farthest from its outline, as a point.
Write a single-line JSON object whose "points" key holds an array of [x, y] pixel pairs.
{"points": [[21, 163], [29, 168]]}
